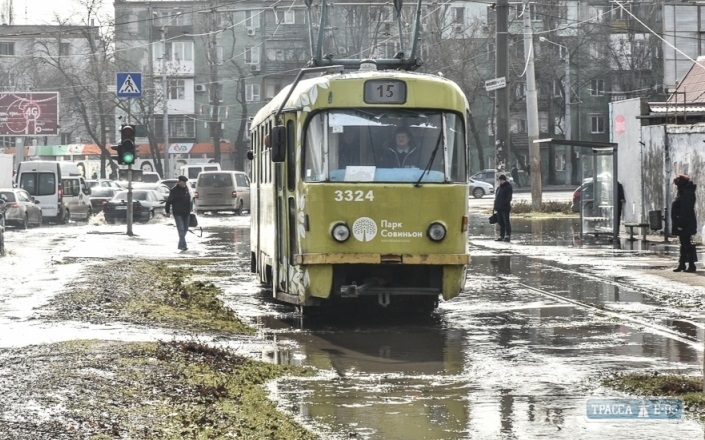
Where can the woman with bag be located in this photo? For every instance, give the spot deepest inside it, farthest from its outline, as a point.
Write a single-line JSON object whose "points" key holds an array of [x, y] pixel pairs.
{"points": [[180, 200]]}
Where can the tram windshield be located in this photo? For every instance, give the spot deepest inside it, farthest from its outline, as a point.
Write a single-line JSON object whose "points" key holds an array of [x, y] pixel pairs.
{"points": [[385, 145]]}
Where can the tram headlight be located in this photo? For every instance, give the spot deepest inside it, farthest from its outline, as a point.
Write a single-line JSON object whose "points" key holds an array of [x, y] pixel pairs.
{"points": [[436, 231], [340, 232]]}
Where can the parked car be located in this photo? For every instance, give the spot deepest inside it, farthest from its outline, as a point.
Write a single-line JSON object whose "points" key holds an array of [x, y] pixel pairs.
{"points": [[585, 188], [146, 203], [478, 189], [169, 182], [222, 191], [21, 209], [162, 189], [150, 177], [100, 195], [103, 183], [490, 176]]}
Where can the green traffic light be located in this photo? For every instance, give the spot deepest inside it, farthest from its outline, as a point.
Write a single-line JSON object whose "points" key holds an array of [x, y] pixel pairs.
{"points": [[128, 158]]}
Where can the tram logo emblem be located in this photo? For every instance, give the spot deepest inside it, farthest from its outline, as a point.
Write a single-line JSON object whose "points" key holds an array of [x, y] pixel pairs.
{"points": [[364, 229]]}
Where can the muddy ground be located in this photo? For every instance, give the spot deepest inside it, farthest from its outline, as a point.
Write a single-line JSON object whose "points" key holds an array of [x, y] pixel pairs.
{"points": [[187, 386]]}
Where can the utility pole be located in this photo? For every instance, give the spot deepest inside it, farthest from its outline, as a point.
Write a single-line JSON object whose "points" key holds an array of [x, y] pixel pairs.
{"points": [[501, 95], [165, 107], [532, 112]]}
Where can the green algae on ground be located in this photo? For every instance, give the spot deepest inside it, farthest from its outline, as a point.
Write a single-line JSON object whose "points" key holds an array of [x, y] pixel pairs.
{"points": [[156, 390], [147, 292], [687, 388]]}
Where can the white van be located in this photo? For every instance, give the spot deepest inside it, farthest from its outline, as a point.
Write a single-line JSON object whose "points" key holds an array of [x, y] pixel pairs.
{"points": [[222, 191], [59, 187], [192, 171]]}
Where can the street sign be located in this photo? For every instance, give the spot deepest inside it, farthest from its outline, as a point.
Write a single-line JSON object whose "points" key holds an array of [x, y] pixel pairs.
{"points": [[129, 85], [494, 84]]}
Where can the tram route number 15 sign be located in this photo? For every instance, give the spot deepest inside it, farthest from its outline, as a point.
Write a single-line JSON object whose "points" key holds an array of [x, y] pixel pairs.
{"points": [[29, 114]]}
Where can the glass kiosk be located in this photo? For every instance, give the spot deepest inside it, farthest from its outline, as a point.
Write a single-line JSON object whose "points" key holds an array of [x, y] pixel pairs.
{"points": [[598, 195]]}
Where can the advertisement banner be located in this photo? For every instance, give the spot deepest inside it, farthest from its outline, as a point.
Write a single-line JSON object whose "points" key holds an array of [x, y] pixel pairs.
{"points": [[29, 114]]}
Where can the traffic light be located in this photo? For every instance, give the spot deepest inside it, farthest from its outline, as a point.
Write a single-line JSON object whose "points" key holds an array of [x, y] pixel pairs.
{"points": [[117, 158], [127, 145]]}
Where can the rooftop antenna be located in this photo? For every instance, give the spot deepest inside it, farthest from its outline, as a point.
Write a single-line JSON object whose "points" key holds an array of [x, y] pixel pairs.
{"points": [[399, 61]]}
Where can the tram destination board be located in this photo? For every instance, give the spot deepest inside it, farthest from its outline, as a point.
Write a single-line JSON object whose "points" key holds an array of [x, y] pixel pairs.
{"points": [[385, 91]]}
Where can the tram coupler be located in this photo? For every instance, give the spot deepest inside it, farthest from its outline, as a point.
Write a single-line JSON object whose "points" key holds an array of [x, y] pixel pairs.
{"points": [[353, 290]]}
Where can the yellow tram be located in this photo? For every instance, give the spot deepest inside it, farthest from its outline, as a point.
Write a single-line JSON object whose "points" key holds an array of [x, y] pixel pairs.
{"points": [[359, 187]]}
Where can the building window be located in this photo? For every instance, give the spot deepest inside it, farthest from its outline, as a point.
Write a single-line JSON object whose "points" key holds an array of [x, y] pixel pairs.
{"points": [[181, 51], [458, 15], [252, 19], [597, 14], [520, 90], [7, 48], [597, 87], [175, 51], [534, 12], [284, 16], [64, 49], [252, 92], [597, 124], [521, 126], [557, 88], [248, 125], [252, 55], [598, 50], [182, 127], [177, 89], [173, 17], [618, 12]]}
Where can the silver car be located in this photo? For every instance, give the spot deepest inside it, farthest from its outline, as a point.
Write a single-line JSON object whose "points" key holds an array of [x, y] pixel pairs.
{"points": [[479, 189], [21, 209], [222, 191]]}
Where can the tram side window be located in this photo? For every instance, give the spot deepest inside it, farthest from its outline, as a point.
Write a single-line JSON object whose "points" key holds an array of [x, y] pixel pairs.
{"points": [[455, 134], [314, 169]]}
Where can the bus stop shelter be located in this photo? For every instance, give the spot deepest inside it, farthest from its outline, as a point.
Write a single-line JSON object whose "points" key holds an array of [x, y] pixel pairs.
{"points": [[599, 203]]}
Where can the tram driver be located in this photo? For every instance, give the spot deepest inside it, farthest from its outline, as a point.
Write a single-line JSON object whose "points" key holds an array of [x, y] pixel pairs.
{"points": [[403, 153]]}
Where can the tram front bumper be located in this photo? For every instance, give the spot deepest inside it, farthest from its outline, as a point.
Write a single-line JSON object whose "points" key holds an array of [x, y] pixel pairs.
{"points": [[432, 259]]}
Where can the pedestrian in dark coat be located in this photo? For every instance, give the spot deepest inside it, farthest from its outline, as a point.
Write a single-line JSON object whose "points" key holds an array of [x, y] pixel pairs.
{"points": [[620, 203], [502, 206], [179, 201], [515, 176], [683, 222]]}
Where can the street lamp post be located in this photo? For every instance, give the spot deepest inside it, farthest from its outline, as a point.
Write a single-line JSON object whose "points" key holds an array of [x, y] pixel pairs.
{"points": [[568, 116], [165, 101]]}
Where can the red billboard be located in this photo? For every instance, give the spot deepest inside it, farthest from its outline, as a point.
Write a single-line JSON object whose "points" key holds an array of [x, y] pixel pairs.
{"points": [[29, 114]]}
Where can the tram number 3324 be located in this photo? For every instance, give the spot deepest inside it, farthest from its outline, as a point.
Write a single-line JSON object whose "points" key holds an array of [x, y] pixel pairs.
{"points": [[354, 196]]}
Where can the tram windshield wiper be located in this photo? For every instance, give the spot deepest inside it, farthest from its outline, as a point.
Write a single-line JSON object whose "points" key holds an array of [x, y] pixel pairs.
{"points": [[431, 159]]}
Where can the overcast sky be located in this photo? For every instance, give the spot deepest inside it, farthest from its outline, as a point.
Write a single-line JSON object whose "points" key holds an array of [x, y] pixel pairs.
{"points": [[44, 11]]}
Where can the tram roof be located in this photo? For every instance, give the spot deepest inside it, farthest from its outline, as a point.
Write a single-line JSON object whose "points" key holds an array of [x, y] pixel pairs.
{"points": [[303, 93]]}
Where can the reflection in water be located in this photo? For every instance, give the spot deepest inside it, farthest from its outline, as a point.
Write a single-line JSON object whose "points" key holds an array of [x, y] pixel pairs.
{"points": [[394, 381], [502, 264]]}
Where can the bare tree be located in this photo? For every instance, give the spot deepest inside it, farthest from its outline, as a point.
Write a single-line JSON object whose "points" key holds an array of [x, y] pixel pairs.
{"points": [[84, 76]]}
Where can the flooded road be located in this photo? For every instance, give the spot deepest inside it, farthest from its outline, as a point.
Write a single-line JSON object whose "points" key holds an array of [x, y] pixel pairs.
{"points": [[504, 360], [516, 356]]}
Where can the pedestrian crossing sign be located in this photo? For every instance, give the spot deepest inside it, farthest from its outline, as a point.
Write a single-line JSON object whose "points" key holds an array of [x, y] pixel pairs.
{"points": [[129, 85]]}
